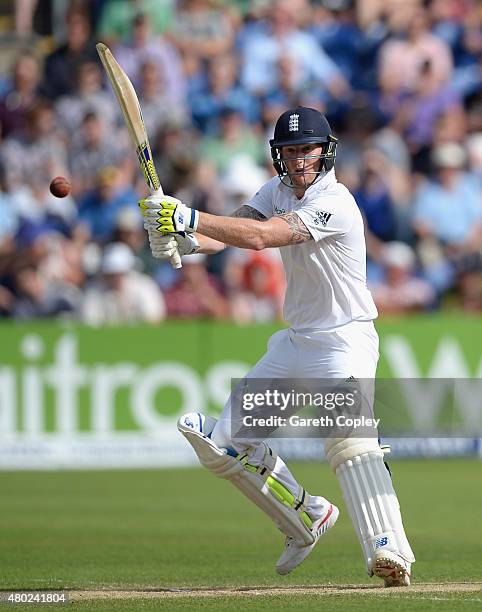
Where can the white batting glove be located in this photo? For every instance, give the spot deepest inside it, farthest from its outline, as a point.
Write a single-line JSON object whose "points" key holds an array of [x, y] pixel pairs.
{"points": [[163, 247], [167, 215]]}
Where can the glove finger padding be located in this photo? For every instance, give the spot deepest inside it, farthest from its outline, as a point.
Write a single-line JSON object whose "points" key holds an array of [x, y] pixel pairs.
{"points": [[158, 203], [167, 215], [162, 247]]}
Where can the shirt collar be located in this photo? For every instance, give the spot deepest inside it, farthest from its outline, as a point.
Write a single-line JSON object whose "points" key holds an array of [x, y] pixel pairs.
{"points": [[327, 179]]}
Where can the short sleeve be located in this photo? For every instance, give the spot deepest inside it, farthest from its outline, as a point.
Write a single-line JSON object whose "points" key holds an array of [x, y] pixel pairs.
{"points": [[262, 201], [324, 220]]}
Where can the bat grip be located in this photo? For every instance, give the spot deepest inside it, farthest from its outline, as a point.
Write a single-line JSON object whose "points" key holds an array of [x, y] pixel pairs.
{"points": [[175, 259]]}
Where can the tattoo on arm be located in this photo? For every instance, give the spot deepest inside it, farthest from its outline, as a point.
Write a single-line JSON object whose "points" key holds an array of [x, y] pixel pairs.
{"points": [[248, 212], [299, 231]]}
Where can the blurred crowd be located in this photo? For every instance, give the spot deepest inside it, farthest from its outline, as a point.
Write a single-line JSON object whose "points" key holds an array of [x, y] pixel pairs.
{"points": [[399, 80]]}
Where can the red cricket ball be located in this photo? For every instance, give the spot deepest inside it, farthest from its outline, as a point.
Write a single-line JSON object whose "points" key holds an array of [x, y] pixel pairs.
{"points": [[60, 187]]}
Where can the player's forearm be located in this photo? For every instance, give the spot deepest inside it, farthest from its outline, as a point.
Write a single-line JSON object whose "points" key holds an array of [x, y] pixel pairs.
{"points": [[242, 233], [209, 246]]}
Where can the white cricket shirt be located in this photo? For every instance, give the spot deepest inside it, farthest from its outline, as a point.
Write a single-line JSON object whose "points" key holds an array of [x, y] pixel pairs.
{"points": [[326, 276]]}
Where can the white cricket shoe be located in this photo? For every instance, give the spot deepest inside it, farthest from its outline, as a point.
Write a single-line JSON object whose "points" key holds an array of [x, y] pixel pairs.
{"points": [[294, 553], [394, 570]]}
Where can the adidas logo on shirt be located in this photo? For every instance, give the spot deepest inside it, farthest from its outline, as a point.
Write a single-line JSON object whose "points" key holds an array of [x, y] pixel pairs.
{"points": [[322, 217]]}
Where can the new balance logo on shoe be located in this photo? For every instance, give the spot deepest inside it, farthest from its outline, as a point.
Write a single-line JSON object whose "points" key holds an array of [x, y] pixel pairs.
{"points": [[381, 542]]}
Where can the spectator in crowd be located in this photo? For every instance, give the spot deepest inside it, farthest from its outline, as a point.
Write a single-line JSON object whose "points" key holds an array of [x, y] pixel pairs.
{"points": [[129, 230], [93, 147], [196, 294], [37, 206], [288, 92], [39, 150], [429, 101], [390, 99], [46, 275], [117, 20], [222, 90], [404, 58], [469, 285], [24, 12], [256, 284], [451, 126], [400, 291], [8, 227], [448, 216], [158, 108], [57, 260], [6, 301], [174, 148], [98, 209], [145, 46], [22, 94], [88, 97], [202, 28], [474, 152], [9, 216], [37, 299], [235, 137], [336, 29], [473, 109], [242, 179], [468, 73], [374, 199], [355, 133], [278, 35], [61, 66], [122, 295]]}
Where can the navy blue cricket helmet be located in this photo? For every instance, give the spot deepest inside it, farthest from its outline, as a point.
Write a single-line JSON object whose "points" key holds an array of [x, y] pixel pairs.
{"points": [[299, 126]]}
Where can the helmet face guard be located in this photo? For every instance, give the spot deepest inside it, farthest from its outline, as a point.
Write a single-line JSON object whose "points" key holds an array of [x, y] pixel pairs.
{"points": [[327, 160], [302, 126]]}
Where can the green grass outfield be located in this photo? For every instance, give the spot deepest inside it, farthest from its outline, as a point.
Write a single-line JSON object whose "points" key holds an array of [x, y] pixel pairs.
{"points": [[136, 534]]}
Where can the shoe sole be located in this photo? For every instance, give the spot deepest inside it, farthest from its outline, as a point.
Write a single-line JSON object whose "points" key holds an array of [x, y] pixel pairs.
{"points": [[394, 574]]}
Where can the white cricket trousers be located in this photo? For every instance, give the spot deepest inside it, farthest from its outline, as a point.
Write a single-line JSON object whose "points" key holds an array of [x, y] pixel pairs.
{"points": [[350, 350]]}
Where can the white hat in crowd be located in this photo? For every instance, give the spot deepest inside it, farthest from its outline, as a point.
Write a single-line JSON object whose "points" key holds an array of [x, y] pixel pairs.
{"points": [[243, 177], [449, 155], [118, 259], [399, 255]]}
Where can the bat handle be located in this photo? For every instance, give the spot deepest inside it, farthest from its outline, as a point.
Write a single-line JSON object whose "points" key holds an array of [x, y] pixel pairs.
{"points": [[175, 259]]}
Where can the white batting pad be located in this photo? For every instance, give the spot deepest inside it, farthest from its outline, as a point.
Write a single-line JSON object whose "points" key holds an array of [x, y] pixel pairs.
{"points": [[260, 482], [370, 498]]}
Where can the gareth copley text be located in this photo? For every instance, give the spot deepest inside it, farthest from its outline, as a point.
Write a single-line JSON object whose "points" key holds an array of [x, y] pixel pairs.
{"points": [[296, 420]]}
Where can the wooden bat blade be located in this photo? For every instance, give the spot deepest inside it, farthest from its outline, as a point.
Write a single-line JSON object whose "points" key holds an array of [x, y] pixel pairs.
{"points": [[129, 104], [131, 109]]}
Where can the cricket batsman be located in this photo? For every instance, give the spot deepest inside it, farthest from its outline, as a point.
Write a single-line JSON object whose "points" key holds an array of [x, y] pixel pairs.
{"points": [[316, 224]]}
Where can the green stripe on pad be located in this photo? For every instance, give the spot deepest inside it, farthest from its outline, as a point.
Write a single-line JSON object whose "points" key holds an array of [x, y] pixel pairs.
{"points": [[284, 496]]}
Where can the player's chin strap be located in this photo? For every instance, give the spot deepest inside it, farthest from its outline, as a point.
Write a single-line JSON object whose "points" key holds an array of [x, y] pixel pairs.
{"points": [[257, 482], [369, 496]]}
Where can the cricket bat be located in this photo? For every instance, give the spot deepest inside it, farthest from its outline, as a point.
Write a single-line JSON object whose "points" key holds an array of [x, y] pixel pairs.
{"points": [[129, 103]]}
